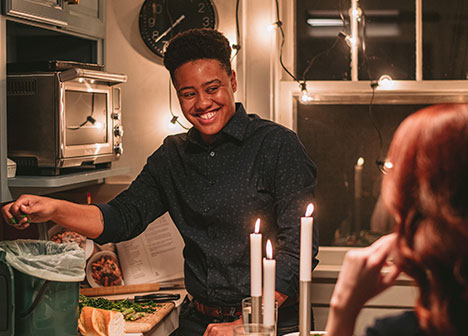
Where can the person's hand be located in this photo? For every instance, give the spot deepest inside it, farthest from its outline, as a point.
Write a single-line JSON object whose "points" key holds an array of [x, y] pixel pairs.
{"points": [[222, 329], [28, 209], [361, 278]]}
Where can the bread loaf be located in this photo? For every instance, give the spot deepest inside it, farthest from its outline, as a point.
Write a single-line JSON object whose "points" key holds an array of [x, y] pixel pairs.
{"points": [[100, 322]]}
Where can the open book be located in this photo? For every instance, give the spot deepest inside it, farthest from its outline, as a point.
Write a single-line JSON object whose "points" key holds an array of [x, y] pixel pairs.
{"points": [[153, 256]]}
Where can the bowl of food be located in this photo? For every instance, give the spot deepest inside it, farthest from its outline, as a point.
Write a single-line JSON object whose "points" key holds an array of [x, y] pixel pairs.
{"points": [[61, 235], [103, 270]]}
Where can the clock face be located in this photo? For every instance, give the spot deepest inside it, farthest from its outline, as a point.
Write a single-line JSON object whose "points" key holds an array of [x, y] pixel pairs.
{"points": [[160, 20]]}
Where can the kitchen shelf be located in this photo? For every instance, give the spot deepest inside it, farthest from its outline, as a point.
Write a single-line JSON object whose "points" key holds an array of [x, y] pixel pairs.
{"points": [[64, 180]]}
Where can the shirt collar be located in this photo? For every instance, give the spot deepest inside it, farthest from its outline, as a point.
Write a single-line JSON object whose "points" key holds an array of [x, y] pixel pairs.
{"points": [[236, 127]]}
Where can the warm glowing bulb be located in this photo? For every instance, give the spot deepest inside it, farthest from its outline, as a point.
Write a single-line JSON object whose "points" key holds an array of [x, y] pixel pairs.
{"points": [[269, 250], [257, 225], [99, 125], [386, 82], [356, 13], [305, 96], [172, 125], [360, 161], [351, 41], [388, 165], [309, 210]]}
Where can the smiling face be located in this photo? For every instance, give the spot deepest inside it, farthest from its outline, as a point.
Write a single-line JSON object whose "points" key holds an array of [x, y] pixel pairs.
{"points": [[206, 95]]}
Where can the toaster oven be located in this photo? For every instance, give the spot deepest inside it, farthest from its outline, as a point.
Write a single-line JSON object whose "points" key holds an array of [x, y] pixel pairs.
{"points": [[63, 119]]}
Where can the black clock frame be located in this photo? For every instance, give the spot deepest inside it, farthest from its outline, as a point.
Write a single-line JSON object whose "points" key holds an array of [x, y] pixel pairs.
{"points": [[160, 20]]}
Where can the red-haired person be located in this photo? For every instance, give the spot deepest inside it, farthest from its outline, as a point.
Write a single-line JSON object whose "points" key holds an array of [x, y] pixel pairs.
{"points": [[426, 191]]}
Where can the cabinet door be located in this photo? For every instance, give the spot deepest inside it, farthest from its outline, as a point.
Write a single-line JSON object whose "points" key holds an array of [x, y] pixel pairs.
{"points": [[86, 17], [46, 11]]}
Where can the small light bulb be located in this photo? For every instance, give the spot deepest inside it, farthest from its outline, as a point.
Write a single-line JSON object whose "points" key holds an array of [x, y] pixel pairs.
{"points": [[386, 82], [350, 41], [271, 27], [388, 165], [305, 97]]}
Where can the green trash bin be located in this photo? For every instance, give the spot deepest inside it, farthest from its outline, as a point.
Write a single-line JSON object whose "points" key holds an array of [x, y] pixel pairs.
{"points": [[45, 287]]}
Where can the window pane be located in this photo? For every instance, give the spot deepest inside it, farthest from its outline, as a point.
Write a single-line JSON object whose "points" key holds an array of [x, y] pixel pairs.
{"points": [[388, 40], [317, 26], [387, 30], [445, 39], [335, 136]]}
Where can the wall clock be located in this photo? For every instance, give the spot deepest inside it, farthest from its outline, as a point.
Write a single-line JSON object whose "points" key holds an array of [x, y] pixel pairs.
{"points": [[160, 20]]}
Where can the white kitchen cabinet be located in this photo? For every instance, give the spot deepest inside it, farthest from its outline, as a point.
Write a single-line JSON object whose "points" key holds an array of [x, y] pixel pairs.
{"points": [[85, 17]]}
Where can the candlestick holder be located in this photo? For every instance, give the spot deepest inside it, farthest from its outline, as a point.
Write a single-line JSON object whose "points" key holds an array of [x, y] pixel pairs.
{"points": [[257, 311], [304, 308]]}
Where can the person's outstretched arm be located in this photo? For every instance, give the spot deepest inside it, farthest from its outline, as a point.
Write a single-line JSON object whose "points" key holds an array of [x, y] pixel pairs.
{"points": [[360, 280], [84, 219]]}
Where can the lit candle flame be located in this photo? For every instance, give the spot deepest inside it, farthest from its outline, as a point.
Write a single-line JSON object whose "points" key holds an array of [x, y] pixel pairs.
{"points": [[269, 250], [360, 161], [257, 225], [310, 210]]}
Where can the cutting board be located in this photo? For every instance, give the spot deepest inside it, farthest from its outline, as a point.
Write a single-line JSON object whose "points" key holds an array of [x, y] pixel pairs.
{"points": [[149, 321], [125, 289]]}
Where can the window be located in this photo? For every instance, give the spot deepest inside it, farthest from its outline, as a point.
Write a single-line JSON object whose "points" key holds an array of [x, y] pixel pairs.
{"points": [[421, 44], [387, 39]]}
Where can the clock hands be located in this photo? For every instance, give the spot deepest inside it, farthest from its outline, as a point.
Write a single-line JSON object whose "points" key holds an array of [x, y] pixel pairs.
{"points": [[170, 28]]}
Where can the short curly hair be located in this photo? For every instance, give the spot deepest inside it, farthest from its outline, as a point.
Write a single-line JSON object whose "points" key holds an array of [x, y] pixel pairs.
{"points": [[194, 44]]}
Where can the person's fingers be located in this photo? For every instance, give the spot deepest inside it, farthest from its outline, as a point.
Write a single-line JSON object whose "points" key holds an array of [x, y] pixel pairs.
{"points": [[390, 275], [11, 218], [6, 213], [379, 252], [22, 226]]}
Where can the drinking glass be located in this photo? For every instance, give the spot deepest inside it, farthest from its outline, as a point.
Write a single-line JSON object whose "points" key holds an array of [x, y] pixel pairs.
{"points": [[247, 312], [254, 329]]}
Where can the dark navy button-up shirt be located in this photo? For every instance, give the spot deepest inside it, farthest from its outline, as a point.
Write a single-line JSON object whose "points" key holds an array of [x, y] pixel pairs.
{"points": [[214, 193]]}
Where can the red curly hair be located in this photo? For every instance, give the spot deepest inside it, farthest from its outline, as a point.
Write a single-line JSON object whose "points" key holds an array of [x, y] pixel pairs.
{"points": [[427, 192]]}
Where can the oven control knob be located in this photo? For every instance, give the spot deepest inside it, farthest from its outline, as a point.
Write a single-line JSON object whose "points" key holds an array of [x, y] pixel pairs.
{"points": [[115, 116], [118, 131], [118, 149]]}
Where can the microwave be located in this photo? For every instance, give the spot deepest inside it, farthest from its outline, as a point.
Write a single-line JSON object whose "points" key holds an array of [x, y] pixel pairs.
{"points": [[63, 119]]}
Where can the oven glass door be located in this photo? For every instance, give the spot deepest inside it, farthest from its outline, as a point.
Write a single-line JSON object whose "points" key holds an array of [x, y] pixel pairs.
{"points": [[85, 118]]}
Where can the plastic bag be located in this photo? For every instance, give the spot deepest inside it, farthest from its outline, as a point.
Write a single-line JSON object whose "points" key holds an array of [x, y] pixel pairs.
{"points": [[46, 259]]}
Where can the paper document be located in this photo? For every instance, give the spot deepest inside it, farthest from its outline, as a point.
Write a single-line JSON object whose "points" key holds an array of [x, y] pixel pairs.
{"points": [[153, 256]]}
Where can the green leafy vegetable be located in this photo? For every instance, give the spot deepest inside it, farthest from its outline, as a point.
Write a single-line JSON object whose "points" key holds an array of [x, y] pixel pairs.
{"points": [[131, 311]]}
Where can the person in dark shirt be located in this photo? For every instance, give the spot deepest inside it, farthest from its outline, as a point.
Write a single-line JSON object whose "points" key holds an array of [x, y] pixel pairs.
{"points": [[215, 180], [426, 191]]}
